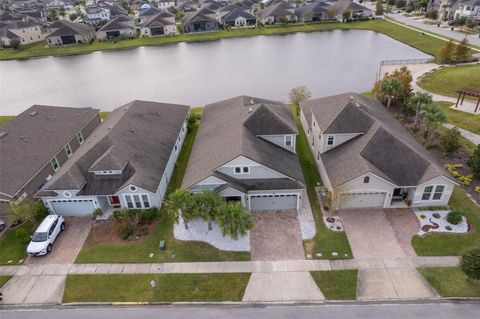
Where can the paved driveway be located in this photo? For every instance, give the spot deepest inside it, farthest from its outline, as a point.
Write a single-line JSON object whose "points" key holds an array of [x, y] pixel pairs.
{"points": [[276, 236], [68, 244], [380, 232]]}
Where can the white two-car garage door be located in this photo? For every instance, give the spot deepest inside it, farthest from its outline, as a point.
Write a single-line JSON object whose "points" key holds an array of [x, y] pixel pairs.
{"points": [[273, 202], [361, 200], [73, 207]]}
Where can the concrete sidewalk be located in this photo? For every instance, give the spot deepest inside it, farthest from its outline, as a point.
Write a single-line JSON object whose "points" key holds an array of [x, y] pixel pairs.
{"points": [[472, 137], [232, 266]]}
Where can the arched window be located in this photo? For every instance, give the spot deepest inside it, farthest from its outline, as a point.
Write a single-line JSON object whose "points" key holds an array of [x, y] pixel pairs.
{"points": [[366, 180]]}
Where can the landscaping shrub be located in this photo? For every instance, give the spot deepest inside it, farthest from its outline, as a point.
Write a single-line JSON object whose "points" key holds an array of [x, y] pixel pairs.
{"points": [[22, 235], [98, 212], [454, 217], [148, 215], [451, 141], [125, 231], [474, 162], [470, 263]]}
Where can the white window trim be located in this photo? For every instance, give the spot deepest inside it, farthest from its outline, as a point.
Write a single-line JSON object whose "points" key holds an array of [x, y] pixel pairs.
{"points": [[442, 193], [285, 138], [67, 146], [80, 138], [54, 159], [241, 169], [140, 195], [432, 193], [331, 137]]}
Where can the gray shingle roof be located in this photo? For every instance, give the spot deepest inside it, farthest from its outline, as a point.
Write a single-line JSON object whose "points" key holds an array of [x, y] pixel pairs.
{"points": [[223, 136], [64, 28], [350, 120], [280, 9], [119, 23], [46, 133], [271, 120], [140, 133], [314, 8], [157, 20], [386, 149], [201, 15], [238, 12]]}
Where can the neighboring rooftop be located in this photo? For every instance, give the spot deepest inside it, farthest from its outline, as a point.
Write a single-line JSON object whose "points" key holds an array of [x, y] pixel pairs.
{"points": [[31, 139]]}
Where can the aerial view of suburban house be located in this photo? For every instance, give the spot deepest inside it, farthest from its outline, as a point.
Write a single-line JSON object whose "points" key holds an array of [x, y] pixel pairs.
{"points": [[358, 11], [126, 162], [200, 21], [162, 23], [315, 11], [63, 32], [33, 15], [119, 27], [469, 9], [146, 14], [275, 13], [96, 14], [165, 4], [36, 143], [25, 32], [9, 17], [237, 17], [252, 160], [367, 159]]}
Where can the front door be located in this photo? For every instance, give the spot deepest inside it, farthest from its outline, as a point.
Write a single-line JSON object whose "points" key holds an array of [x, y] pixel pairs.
{"points": [[114, 201]]}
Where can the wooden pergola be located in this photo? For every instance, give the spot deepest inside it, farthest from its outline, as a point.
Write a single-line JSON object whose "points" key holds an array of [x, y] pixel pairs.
{"points": [[462, 92]]}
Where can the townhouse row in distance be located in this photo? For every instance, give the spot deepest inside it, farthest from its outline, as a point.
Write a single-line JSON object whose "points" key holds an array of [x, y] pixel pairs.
{"points": [[245, 149], [107, 21]]}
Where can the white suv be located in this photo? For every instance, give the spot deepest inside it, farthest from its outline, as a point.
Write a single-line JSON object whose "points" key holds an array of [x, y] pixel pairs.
{"points": [[45, 235]]}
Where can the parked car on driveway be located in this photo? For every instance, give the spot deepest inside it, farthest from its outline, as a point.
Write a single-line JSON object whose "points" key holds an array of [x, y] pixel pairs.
{"points": [[45, 235]]}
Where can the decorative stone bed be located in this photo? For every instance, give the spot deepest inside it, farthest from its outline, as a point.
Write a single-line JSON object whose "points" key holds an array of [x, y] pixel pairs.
{"points": [[436, 221], [333, 223], [198, 231]]}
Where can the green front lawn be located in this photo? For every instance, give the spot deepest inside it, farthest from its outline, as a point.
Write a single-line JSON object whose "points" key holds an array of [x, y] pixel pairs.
{"points": [[337, 284], [170, 287], [437, 244], [413, 38], [11, 248], [451, 282], [3, 280], [467, 121], [325, 240], [176, 251], [447, 80]]}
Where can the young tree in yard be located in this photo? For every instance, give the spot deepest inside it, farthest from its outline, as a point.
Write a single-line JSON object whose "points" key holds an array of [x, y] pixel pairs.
{"points": [[447, 51], [474, 162], [347, 14], [432, 14], [28, 210], [418, 102], [331, 12], [179, 204], [460, 22], [379, 8], [234, 220], [390, 88], [461, 50], [282, 20], [470, 263], [433, 117], [15, 44], [299, 94], [451, 141]]}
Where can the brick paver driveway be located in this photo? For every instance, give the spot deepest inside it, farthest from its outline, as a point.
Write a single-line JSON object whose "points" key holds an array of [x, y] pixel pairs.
{"points": [[68, 244], [380, 232], [276, 236]]}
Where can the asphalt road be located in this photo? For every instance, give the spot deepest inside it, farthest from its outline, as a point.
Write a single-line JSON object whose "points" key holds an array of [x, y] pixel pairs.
{"points": [[422, 310]]}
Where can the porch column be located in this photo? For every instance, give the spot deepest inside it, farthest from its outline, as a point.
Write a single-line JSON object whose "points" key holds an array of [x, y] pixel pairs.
{"points": [[458, 99], [463, 98], [476, 107]]}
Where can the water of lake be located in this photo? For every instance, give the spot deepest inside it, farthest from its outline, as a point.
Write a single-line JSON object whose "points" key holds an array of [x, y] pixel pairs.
{"points": [[200, 73]]}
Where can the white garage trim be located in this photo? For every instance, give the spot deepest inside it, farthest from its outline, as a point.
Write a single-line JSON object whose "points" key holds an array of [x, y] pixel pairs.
{"points": [[361, 200], [73, 207], [273, 195]]}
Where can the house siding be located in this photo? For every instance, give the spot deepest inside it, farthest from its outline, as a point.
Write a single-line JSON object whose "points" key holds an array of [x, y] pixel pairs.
{"points": [[280, 140], [257, 171], [440, 180]]}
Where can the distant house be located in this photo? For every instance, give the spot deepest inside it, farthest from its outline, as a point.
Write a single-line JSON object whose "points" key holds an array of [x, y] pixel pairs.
{"points": [[245, 151], [25, 32], [367, 159], [188, 6], [127, 162], [202, 20], [276, 13], [146, 14], [238, 18], [211, 4], [315, 11], [96, 15], [358, 11], [63, 32], [35, 15], [36, 143], [119, 27], [10, 17], [115, 10], [469, 9], [160, 24], [165, 4]]}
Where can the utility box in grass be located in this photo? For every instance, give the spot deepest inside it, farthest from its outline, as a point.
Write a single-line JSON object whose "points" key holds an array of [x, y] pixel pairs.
{"points": [[162, 245]]}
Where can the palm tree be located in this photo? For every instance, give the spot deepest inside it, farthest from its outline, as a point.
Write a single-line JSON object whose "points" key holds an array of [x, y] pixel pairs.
{"points": [[206, 204], [180, 204], [418, 102], [234, 220], [390, 88], [433, 117]]}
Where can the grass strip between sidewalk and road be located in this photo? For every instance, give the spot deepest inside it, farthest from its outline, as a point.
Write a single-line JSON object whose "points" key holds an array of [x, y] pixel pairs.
{"points": [[12, 250], [325, 241], [451, 282], [337, 284], [170, 287], [425, 43], [3, 280], [176, 250], [438, 244]]}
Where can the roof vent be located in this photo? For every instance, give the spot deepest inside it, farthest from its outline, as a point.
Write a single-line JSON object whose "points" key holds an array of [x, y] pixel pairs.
{"points": [[132, 130], [351, 98], [250, 109], [251, 101], [33, 113], [3, 134], [110, 127]]}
